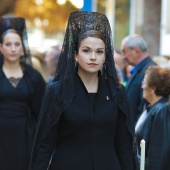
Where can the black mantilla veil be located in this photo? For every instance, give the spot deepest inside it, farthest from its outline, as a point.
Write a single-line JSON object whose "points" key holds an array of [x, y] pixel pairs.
{"points": [[79, 22], [17, 24], [60, 92]]}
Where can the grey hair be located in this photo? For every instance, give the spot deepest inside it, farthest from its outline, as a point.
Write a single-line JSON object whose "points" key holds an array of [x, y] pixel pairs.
{"points": [[135, 41]]}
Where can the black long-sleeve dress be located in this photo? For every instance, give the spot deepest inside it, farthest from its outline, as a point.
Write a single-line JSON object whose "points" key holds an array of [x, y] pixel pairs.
{"points": [[86, 136], [19, 108]]}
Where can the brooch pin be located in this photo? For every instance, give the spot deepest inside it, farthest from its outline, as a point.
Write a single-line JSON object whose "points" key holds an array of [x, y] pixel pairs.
{"points": [[107, 97]]}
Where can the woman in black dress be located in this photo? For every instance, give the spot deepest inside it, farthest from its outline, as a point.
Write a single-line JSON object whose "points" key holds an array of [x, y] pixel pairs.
{"points": [[84, 122], [154, 123], [21, 93]]}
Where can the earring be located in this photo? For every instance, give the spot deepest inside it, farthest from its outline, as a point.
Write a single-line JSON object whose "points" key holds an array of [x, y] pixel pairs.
{"points": [[75, 65]]}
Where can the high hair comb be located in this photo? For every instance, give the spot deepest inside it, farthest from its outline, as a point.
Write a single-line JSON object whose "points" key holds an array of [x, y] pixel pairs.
{"points": [[17, 24]]}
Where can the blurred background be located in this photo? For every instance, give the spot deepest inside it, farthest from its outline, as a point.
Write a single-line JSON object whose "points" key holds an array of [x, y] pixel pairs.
{"points": [[46, 20]]}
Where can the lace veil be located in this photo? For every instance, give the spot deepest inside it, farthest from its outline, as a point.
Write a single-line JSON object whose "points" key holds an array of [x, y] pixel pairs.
{"points": [[17, 24], [79, 22]]}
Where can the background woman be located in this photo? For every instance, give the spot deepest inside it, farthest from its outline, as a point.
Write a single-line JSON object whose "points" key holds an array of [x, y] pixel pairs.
{"points": [[21, 92], [154, 124], [85, 119]]}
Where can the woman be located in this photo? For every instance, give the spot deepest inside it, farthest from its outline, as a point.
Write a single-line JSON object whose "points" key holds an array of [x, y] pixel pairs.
{"points": [[154, 124], [21, 92], [84, 122]]}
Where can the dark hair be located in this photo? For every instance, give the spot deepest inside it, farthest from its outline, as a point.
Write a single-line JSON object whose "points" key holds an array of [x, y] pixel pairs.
{"points": [[9, 31], [89, 33], [160, 78]]}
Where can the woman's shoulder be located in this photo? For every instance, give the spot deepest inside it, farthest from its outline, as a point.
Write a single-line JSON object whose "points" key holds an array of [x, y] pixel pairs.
{"points": [[30, 69], [33, 74], [52, 93], [161, 105], [161, 110], [165, 107]]}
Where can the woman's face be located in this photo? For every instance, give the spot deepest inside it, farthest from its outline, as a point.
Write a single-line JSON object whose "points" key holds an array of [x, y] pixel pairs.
{"points": [[11, 47], [90, 55], [148, 92]]}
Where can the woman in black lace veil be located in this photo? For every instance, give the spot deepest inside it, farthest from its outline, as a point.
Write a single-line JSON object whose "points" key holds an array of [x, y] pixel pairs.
{"points": [[21, 93], [84, 122]]}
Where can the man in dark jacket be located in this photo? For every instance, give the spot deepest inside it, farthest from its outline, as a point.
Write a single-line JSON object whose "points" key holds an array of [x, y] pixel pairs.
{"points": [[134, 50]]}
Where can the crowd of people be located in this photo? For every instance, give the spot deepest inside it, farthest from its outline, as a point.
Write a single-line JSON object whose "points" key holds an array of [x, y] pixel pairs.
{"points": [[92, 108]]}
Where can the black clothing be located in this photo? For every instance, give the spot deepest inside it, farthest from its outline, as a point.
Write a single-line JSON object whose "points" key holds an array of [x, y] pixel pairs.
{"points": [[92, 97], [155, 130], [134, 90], [19, 109], [84, 138]]}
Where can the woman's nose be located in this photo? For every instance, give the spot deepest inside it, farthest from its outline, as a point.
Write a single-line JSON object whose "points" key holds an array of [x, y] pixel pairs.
{"points": [[93, 56], [13, 48]]}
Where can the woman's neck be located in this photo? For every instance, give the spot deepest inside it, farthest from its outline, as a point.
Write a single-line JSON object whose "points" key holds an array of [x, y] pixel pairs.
{"points": [[90, 81], [155, 99], [12, 69], [11, 65]]}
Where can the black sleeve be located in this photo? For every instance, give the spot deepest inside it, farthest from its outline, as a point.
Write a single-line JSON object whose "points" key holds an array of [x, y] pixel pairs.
{"points": [[44, 151], [46, 133], [124, 144], [38, 93]]}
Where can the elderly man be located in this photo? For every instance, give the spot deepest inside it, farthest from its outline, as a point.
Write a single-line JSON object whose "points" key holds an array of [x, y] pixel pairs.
{"points": [[134, 50]]}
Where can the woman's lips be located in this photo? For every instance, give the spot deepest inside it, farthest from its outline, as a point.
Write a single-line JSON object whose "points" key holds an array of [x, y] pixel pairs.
{"points": [[92, 64]]}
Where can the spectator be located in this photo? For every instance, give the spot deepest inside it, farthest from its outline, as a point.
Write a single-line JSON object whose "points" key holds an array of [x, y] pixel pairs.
{"points": [[134, 50], [154, 124]]}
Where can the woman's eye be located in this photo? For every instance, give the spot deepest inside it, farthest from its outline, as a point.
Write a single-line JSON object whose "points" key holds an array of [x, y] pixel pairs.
{"points": [[17, 44], [8, 44], [100, 52], [85, 50]]}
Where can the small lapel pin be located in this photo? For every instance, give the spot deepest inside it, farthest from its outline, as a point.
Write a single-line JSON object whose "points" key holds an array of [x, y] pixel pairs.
{"points": [[107, 97]]}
